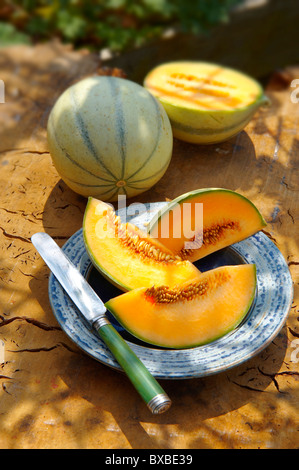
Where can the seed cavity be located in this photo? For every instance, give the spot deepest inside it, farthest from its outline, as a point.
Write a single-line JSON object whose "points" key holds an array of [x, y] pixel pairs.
{"points": [[194, 290], [192, 87], [210, 236], [199, 89], [133, 241], [176, 76]]}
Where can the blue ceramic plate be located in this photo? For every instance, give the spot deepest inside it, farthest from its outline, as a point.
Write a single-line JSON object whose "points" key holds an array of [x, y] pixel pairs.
{"points": [[263, 322]]}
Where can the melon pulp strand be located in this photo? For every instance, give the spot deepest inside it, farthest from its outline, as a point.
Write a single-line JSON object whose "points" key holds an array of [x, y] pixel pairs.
{"points": [[109, 136], [126, 256], [228, 217], [206, 103], [189, 315]]}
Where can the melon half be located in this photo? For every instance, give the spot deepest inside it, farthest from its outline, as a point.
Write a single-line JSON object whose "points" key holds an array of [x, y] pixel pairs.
{"points": [[206, 103]]}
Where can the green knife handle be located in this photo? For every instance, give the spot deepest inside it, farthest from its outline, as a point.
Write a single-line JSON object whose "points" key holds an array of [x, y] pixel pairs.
{"points": [[146, 385]]}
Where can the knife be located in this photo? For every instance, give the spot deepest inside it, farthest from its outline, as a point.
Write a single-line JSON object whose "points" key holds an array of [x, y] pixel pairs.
{"points": [[93, 309]]}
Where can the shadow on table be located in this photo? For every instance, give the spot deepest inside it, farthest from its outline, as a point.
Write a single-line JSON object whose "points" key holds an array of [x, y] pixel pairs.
{"points": [[196, 402]]}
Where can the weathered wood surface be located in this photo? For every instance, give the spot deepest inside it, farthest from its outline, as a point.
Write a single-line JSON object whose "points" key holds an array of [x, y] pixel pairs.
{"points": [[54, 396]]}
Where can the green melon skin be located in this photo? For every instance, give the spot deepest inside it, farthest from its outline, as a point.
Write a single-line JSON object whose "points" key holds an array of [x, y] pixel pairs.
{"points": [[199, 128], [109, 137]]}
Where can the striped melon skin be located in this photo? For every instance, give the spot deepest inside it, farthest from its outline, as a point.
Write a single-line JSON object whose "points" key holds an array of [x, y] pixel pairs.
{"points": [[109, 136], [206, 103]]}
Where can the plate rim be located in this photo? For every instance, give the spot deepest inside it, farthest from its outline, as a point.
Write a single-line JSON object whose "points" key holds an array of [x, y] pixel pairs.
{"points": [[152, 357]]}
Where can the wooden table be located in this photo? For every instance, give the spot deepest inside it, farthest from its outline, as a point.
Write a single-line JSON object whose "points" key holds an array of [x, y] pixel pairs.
{"points": [[52, 394]]}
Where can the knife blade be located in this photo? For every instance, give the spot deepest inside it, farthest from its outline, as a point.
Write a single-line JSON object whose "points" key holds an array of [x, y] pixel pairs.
{"points": [[93, 309]]}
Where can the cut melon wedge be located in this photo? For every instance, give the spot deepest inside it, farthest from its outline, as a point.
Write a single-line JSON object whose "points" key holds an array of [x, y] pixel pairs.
{"points": [[192, 314], [126, 256], [203, 221]]}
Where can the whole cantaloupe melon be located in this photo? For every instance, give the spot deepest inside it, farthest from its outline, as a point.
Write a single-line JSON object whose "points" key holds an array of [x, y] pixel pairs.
{"points": [[109, 136]]}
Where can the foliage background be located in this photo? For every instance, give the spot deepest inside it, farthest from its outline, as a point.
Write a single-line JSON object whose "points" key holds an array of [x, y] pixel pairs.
{"points": [[115, 24]]}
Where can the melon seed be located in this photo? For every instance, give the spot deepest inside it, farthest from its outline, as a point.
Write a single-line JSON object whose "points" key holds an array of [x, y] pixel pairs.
{"points": [[210, 236], [163, 294], [133, 241]]}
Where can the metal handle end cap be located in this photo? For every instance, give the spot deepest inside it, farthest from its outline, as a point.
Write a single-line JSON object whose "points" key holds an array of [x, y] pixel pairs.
{"points": [[159, 404]]}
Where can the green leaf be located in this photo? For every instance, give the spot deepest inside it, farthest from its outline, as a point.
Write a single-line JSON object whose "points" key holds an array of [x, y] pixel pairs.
{"points": [[10, 36], [72, 27], [115, 24]]}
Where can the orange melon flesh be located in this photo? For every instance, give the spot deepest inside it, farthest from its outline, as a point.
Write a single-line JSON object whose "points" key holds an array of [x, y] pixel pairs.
{"points": [[206, 103], [227, 218], [202, 86], [224, 296], [126, 264]]}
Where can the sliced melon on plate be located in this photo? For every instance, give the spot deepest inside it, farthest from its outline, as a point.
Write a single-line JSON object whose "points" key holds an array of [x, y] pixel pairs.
{"points": [[225, 217], [191, 314], [128, 257]]}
